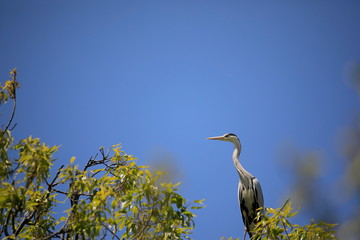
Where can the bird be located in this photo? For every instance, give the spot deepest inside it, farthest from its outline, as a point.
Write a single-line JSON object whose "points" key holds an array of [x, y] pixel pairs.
{"points": [[250, 194]]}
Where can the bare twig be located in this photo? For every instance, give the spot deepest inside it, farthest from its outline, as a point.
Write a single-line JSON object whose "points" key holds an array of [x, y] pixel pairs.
{"points": [[13, 127], [62, 192]]}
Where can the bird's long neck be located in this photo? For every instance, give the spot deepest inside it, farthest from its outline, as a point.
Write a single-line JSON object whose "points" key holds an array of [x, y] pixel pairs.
{"points": [[236, 153], [239, 168]]}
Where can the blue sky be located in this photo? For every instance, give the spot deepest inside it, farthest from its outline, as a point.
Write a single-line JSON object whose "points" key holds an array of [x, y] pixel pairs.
{"points": [[162, 76]]}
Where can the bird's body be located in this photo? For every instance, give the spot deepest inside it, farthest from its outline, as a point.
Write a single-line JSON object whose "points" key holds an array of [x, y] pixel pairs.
{"points": [[250, 195]]}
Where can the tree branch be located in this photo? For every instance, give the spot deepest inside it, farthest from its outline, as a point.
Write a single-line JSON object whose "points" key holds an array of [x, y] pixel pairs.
{"points": [[108, 229], [146, 224], [4, 228], [14, 106], [52, 184], [23, 223]]}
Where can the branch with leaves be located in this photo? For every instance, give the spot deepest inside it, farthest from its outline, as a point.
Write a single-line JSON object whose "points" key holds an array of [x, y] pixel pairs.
{"points": [[8, 91], [110, 196], [274, 224]]}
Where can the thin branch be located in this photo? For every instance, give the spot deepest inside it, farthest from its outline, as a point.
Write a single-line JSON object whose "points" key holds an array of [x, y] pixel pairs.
{"points": [[287, 234], [286, 202], [13, 127], [14, 106], [12, 116], [61, 231], [13, 220], [58, 191], [23, 223], [4, 229], [108, 229], [51, 185], [137, 236], [28, 218]]}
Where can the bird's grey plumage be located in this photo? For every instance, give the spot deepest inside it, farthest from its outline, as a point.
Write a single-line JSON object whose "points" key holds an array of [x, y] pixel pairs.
{"points": [[250, 195]]}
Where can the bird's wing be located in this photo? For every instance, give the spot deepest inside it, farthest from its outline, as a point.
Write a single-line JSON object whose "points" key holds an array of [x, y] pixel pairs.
{"points": [[258, 192]]}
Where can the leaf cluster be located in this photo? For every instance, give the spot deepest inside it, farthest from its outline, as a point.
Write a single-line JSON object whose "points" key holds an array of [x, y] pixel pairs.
{"points": [[8, 90], [274, 224]]}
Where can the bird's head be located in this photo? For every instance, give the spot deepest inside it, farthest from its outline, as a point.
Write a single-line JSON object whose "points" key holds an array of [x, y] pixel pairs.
{"points": [[229, 137]]}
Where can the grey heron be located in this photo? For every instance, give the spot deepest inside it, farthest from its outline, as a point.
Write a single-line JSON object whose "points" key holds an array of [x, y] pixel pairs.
{"points": [[250, 195]]}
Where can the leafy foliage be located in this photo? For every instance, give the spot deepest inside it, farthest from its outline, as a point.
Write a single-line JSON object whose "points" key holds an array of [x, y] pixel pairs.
{"points": [[275, 224], [110, 196], [9, 89]]}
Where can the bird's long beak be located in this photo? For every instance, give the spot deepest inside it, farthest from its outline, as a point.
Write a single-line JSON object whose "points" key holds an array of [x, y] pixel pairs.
{"points": [[216, 138]]}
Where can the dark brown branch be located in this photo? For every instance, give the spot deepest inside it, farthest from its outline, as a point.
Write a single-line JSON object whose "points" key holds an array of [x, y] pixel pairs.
{"points": [[62, 192], [4, 229], [286, 202], [287, 234], [23, 223], [61, 231], [28, 218], [146, 224], [108, 229], [11, 117], [13, 127], [51, 185], [14, 106], [13, 220]]}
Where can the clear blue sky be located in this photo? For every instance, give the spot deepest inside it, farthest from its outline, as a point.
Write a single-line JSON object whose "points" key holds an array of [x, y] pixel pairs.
{"points": [[162, 76]]}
